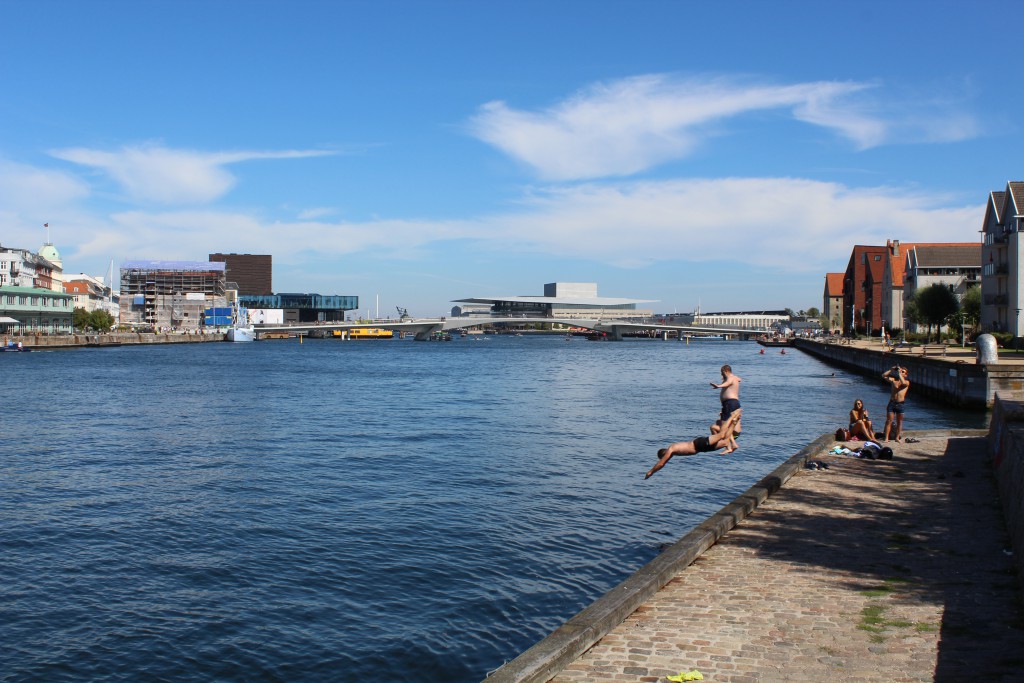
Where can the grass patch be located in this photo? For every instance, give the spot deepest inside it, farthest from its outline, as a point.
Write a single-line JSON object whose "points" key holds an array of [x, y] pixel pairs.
{"points": [[925, 628], [872, 616]]}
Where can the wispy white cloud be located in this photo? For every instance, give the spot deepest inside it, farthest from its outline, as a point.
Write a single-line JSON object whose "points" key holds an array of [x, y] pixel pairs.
{"points": [[153, 173], [790, 224], [626, 126], [193, 234], [793, 225], [28, 189]]}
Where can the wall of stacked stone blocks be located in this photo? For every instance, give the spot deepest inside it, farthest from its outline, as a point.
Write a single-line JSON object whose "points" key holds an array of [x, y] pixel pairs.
{"points": [[1006, 444]]}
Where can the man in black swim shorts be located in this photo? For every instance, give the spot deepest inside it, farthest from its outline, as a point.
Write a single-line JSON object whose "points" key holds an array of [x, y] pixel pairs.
{"points": [[899, 384], [730, 398], [702, 444]]}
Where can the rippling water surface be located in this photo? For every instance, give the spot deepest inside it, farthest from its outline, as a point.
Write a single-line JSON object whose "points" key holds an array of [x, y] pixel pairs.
{"points": [[362, 511]]}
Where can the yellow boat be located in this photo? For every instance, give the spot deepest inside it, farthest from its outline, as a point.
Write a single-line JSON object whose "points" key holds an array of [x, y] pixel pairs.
{"points": [[369, 333]]}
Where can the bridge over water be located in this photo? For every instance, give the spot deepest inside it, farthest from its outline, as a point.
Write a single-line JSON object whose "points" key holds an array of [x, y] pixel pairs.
{"points": [[423, 328]]}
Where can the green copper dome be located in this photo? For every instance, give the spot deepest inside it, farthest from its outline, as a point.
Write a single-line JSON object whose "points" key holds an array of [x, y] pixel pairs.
{"points": [[50, 253]]}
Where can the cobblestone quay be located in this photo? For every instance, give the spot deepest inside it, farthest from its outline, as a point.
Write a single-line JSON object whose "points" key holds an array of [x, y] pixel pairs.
{"points": [[870, 570]]}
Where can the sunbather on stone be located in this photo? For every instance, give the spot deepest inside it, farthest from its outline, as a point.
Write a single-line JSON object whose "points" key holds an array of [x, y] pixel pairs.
{"points": [[703, 444]]}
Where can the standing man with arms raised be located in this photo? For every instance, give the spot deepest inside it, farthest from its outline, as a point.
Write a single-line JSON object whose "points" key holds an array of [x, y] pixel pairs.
{"points": [[899, 385], [730, 397]]}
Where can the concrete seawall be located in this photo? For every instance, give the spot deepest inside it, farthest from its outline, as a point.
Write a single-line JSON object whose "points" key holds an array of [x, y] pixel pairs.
{"points": [[545, 659], [76, 341], [1006, 448], [869, 571], [959, 381]]}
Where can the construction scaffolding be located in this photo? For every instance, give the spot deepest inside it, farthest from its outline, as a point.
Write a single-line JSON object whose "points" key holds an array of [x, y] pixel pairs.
{"points": [[170, 294]]}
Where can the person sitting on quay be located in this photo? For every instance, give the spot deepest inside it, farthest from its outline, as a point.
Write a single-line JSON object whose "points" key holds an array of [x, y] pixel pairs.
{"points": [[860, 424]]}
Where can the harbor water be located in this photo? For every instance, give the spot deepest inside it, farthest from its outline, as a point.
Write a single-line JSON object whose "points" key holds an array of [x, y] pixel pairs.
{"points": [[363, 511]]}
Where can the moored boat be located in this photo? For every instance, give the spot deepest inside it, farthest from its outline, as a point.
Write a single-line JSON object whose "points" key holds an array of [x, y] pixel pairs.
{"points": [[241, 333], [241, 330], [370, 333], [775, 341]]}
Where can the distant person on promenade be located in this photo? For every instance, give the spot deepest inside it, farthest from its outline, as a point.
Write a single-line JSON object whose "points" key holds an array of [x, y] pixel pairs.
{"points": [[860, 424], [702, 444], [899, 385], [730, 397]]}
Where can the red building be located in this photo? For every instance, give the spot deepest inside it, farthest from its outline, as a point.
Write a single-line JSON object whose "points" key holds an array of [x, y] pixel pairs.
{"points": [[862, 290]]}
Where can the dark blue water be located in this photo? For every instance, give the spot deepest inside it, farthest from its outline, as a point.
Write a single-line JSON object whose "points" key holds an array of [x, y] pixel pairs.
{"points": [[362, 511]]}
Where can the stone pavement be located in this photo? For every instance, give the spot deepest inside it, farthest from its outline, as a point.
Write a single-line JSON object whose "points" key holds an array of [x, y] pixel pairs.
{"points": [[871, 570]]}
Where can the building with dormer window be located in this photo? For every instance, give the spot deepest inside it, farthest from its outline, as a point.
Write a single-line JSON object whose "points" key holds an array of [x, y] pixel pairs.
{"points": [[1001, 295]]}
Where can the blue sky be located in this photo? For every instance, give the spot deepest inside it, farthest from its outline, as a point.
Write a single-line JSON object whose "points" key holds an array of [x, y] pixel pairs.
{"points": [[414, 153]]}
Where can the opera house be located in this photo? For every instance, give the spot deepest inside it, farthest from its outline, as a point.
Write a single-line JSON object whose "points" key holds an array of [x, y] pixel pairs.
{"points": [[560, 300]]}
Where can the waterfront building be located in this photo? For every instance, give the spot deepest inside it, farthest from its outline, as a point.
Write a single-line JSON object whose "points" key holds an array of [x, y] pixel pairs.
{"points": [[955, 265], [878, 280], [300, 308], [893, 280], [24, 268], [92, 293], [862, 289], [832, 301], [35, 310], [170, 294], [51, 256], [560, 300], [1001, 296], [253, 273], [32, 300], [747, 319]]}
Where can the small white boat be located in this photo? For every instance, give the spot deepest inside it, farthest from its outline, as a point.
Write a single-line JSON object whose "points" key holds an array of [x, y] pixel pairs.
{"points": [[241, 334], [241, 329]]}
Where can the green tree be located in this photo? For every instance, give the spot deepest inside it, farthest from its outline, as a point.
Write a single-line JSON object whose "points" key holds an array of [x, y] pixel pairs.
{"points": [[100, 321], [80, 319], [813, 312], [95, 321], [935, 304], [970, 305]]}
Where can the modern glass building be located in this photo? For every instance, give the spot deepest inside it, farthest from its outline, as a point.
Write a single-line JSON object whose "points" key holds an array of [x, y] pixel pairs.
{"points": [[304, 308]]}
